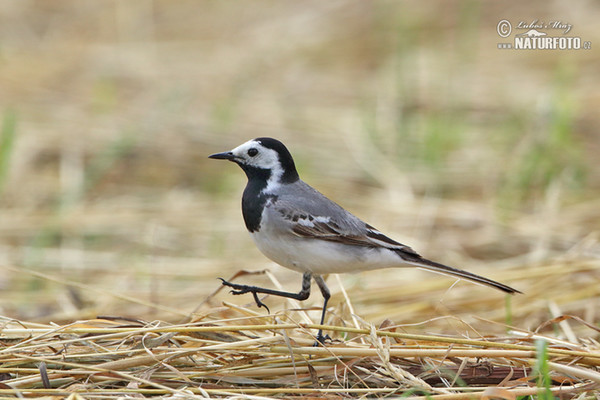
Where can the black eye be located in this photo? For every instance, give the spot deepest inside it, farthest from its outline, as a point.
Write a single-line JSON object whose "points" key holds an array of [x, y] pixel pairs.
{"points": [[252, 152]]}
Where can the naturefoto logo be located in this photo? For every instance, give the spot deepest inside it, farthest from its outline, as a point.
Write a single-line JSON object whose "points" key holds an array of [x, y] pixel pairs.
{"points": [[540, 35]]}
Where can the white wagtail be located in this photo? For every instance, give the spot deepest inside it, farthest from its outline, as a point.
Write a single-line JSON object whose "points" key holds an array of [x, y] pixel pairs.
{"points": [[301, 229]]}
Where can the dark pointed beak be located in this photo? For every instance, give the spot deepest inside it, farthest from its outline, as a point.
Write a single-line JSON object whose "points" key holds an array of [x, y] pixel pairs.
{"points": [[227, 155]]}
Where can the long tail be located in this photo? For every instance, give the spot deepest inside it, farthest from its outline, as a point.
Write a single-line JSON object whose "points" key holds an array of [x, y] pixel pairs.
{"points": [[433, 266]]}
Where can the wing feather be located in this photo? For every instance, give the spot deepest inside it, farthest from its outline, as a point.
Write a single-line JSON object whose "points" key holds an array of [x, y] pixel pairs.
{"points": [[324, 228], [309, 214], [325, 231]]}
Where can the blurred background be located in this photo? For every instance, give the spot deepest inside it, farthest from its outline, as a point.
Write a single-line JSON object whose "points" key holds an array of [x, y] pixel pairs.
{"points": [[406, 113]]}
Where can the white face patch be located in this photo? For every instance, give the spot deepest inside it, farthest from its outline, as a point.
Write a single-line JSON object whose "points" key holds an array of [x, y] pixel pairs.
{"points": [[254, 154]]}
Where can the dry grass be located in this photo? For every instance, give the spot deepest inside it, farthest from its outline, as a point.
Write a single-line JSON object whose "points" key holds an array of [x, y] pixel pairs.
{"points": [[233, 351], [227, 350], [405, 113]]}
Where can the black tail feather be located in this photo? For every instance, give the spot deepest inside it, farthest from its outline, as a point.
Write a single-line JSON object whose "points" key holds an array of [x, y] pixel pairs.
{"points": [[433, 266]]}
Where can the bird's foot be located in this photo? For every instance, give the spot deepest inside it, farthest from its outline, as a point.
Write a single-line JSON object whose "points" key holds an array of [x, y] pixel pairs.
{"points": [[321, 339], [237, 289]]}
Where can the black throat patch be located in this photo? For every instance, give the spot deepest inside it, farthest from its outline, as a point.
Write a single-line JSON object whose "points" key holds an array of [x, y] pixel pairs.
{"points": [[253, 201]]}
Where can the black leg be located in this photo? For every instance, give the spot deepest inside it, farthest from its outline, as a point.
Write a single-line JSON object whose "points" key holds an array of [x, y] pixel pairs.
{"points": [[326, 295], [302, 295]]}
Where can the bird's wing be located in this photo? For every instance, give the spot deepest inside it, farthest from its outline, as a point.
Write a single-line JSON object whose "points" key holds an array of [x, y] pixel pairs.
{"points": [[306, 213], [311, 215], [325, 229]]}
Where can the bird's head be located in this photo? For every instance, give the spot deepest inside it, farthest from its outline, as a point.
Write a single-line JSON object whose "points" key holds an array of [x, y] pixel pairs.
{"points": [[263, 156]]}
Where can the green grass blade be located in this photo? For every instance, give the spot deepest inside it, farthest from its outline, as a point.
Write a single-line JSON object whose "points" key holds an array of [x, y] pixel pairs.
{"points": [[7, 140]]}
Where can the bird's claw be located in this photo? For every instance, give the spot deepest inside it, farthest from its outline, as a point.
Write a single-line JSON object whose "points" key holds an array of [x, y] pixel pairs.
{"points": [[243, 289], [260, 303], [321, 339], [235, 288]]}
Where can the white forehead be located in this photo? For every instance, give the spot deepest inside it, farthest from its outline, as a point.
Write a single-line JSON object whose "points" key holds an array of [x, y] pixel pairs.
{"points": [[266, 158], [244, 147]]}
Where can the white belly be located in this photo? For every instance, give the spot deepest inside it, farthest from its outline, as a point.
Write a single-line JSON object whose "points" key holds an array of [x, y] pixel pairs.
{"points": [[320, 256]]}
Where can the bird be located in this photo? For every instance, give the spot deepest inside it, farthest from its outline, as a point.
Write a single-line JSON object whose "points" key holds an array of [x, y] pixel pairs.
{"points": [[299, 228]]}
